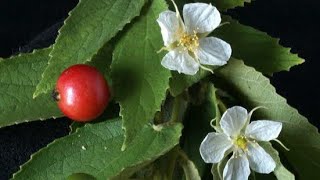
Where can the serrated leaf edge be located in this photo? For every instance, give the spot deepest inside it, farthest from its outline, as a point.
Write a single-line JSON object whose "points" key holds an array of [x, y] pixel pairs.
{"points": [[158, 109], [21, 167], [152, 159], [281, 98], [276, 41], [2, 60], [38, 91]]}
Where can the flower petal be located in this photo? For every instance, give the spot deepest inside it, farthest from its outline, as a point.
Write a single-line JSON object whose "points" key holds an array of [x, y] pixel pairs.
{"points": [[214, 146], [237, 168], [179, 60], [170, 27], [263, 130], [213, 51], [260, 161], [233, 120], [201, 17]]}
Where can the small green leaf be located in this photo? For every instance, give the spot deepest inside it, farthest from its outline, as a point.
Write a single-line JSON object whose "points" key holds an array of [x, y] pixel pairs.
{"points": [[95, 149], [257, 48], [180, 82], [217, 169], [281, 172], [139, 81], [197, 126], [253, 89], [90, 25], [19, 76], [189, 169]]}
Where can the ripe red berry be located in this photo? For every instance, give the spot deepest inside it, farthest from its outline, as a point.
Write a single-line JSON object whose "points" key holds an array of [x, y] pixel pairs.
{"points": [[82, 92]]}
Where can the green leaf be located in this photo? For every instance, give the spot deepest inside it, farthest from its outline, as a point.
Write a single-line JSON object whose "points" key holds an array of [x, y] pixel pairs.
{"points": [[95, 149], [102, 61], [217, 169], [257, 48], [197, 126], [130, 172], [253, 89], [189, 169], [90, 25], [139, 80], [281, 172], [19, 76], [180, 82]]}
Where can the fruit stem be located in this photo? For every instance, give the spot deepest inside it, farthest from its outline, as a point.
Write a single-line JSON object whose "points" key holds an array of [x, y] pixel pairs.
{"points": [[55, 95]]}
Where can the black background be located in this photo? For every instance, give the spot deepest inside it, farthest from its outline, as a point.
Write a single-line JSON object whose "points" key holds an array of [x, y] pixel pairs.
{"points": [[295, 22]]}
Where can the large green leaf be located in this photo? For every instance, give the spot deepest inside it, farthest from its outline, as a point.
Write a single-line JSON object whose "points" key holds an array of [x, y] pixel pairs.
{"points": [[19, 76], [253, 89], [139, 80], [95, 149], [90, 25], [257, 48]]}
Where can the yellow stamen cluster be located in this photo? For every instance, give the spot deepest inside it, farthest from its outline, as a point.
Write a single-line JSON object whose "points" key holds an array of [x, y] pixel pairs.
{"points": [[241, 142], [189, 42]]}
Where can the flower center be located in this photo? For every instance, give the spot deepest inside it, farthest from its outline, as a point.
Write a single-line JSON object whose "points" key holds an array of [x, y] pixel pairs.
{"points": [[241, 142], [189, 42]]}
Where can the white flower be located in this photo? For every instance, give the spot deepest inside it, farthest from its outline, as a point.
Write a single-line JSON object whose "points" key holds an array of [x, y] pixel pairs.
{"points": [[240, 138], [186, 41]]}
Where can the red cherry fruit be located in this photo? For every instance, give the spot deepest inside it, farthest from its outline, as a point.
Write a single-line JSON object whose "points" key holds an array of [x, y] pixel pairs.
{"points": [[82, 93]]}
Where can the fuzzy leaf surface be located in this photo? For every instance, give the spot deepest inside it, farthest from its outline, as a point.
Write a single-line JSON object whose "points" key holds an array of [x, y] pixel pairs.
{"points": [[19, 76], [256, 48], [139, 81], [95, 150], [90, 25], [254, 89]]}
